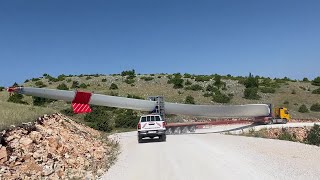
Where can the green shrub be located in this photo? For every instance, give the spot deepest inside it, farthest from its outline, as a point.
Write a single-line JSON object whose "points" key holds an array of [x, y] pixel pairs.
{"points": [[315, 107], [177, 82], [251, 93], [305, 79], [83, 86], [303, 109], [195, 87], [129, 81], [218, 83], [104, 80], [177, 75], [35, 79], [286, 102], [112, 93], [285, 135], [62, 86], [130, 73], [188, 83], [211, 88], [293, 92], [38, 101], [40, 84], [313, 136], [147, 78], [126, 118], [1, 88], [61, 77], [99, 118], [251, 82], [189, 100], [17, 98], [87, 78], [316, 81], [134, 96], [69, 80], [202, 78], [75, 84], [268, 90], [207, 94], [52, 79], [316, 91], [159, 77], [113, 86], [68, 112], [26, 81], [186, 75], [221, 98]]}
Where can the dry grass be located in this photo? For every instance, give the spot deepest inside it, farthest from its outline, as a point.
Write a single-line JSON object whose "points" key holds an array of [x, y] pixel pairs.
{"points": [[15, 114]]}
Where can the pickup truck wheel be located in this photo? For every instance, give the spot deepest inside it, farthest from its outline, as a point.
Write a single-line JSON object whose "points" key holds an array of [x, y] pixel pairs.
{"points": [[163, 138], [284, 121], [139, 139]]}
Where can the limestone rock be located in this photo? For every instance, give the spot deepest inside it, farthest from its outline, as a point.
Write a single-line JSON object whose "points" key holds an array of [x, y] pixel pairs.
{"points": [[54, 147]]}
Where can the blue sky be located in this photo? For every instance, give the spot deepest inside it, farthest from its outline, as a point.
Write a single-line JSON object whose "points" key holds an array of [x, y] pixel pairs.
{"points": [[269, 38]]}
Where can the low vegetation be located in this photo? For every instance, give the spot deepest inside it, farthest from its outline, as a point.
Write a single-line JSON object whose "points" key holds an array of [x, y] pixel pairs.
{"points": [[315, 107], [189, 100], [17, 98], [62, 86], [316, 91], [312, 135], [303, 109], [113, 86], [268, 90], [147, 78], [252, 87], [177, 81], [107, 119], [194, 87], [316, 81]]}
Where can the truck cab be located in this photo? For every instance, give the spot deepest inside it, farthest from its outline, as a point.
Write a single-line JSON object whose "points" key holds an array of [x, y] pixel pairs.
{"points": [[279, 115], [151, 126], [282, 113]]}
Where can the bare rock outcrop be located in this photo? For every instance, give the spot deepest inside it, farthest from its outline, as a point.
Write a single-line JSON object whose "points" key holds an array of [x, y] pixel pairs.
{"points": [[54, 147]]}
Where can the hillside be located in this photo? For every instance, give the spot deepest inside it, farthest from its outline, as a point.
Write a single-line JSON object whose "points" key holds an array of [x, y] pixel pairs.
{"points": [[288, 93]]}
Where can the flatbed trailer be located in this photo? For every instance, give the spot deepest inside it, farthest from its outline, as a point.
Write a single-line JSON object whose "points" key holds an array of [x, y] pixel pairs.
{"points": [[190, 127]]}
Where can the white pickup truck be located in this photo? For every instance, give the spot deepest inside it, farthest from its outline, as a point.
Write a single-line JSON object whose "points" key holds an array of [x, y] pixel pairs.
{"points": [[151, 126]]}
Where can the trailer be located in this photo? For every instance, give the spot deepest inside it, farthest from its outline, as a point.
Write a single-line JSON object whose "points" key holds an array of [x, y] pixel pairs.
{"points": [[190, 127]]}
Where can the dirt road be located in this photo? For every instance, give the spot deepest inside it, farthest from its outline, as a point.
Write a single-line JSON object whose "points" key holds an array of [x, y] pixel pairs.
{"points": [[211, 155]]}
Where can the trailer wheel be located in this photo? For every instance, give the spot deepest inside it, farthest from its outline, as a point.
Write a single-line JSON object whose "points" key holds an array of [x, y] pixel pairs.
{"points": [[270, 121], [177, 130], [163, 138], [169, 131], [185, 130], [192, 128]]}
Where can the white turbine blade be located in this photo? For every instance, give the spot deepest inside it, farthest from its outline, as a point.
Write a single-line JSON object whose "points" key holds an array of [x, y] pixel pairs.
{"points": [[249, 110]]}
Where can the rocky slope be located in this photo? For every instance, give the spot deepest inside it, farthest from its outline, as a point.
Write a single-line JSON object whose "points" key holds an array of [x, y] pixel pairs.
{"points": [[54, 147]]}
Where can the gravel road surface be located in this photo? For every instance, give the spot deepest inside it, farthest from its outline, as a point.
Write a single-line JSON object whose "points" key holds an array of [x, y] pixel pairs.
{"points": [[211, 155]]}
